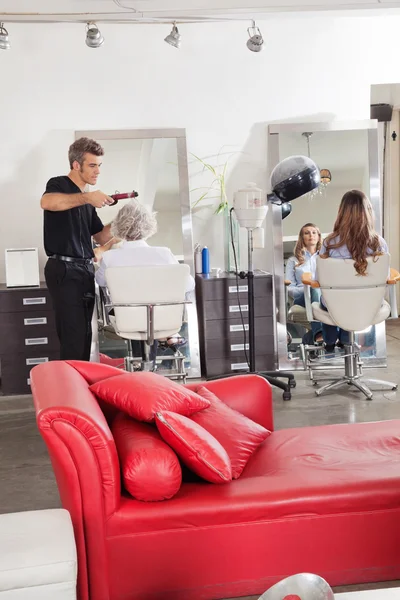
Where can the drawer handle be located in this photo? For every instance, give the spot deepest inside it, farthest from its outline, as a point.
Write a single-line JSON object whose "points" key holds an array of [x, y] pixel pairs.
{"points": [[237, 347], [28, 381], [241, 288], [37, 300], [240, 367], [36, 361], [233, 328], [36, 341], [237, 308], [36, 321]]}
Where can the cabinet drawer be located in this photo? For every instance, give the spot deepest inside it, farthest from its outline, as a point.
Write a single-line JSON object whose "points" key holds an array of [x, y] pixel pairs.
{"points": [[15, 371], [234, 349], [226, 288], [13, 300], [26, 321], [223, 366], [233, 329], [22, 341], [219, 309]]}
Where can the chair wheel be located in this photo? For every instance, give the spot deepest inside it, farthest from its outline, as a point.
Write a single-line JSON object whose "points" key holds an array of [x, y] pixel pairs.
{"points": [[292, 383], [287, 396]]}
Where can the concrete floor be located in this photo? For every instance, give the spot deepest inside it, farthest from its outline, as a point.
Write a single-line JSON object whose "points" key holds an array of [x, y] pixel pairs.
{"points": [[26, 477]]}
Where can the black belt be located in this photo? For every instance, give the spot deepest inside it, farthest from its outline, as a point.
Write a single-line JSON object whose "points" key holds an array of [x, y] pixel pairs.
{"points": [[80, 261]]}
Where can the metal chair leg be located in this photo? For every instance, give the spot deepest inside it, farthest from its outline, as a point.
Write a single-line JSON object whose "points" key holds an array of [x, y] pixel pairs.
{"points": [[380, 382], [363, 388], [331, 386]]}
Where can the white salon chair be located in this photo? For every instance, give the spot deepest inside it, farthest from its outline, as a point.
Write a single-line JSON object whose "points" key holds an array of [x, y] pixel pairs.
{"points": [[354, 303], [148, 304]]}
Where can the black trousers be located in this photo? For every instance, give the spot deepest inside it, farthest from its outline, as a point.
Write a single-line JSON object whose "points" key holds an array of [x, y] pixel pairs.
{"points": [[71, 286]]}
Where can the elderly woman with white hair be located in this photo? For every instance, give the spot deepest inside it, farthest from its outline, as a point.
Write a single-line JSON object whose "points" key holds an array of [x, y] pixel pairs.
{"points": [[134, 224]]}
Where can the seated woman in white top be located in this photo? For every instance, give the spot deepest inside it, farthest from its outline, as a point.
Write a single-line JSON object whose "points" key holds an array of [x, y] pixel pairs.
{"points": [[305, 252], [134, 224], [353, 237]]}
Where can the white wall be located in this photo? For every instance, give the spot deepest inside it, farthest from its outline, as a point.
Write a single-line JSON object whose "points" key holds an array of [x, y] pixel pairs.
{"points": [[313, 68]]}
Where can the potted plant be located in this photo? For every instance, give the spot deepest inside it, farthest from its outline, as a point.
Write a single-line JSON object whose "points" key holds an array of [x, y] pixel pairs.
{"points": [[216, 190]]}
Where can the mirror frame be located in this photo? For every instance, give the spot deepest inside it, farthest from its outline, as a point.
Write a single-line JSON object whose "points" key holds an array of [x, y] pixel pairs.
{"points": [[186, 214], [371, 126]]}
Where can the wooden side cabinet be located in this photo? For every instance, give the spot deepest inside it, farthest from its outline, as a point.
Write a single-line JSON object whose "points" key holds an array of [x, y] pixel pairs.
{"points": [[221, 335], [28, 335]]}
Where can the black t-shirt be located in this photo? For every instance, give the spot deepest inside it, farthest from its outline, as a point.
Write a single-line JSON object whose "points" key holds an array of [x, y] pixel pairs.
{"points": [[69, 232]]}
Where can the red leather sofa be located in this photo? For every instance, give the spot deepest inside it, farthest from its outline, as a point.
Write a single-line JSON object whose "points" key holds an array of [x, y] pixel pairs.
{"points": [[322, 499]]}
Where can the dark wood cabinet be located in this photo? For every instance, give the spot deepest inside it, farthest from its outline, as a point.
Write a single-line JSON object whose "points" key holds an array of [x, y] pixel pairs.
{"points": [[27, 335], [222, 309]]}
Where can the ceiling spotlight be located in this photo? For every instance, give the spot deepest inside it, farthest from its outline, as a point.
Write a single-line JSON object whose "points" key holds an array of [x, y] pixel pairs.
{"points": [[4, 41], [94, 39], [255, 43], [174, 38]]}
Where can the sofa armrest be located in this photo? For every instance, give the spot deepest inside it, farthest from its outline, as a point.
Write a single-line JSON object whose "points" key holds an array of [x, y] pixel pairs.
{"points": [[249, 394], [85, 463]]}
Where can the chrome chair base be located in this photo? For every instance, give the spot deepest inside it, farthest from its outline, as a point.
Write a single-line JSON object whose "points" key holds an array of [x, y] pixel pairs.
{"points": [[360, 385], [352, 370], [133, 364]]}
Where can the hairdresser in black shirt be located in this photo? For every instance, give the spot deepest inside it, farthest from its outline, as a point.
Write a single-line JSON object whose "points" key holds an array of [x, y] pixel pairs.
{"points": [[70, 222]]}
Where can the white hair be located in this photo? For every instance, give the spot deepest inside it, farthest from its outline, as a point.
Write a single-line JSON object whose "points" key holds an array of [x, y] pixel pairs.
{"points": [[134, 221]]}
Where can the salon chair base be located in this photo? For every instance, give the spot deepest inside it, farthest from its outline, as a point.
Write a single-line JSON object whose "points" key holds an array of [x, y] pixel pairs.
{"points": [[139, 364], [353, 373]]}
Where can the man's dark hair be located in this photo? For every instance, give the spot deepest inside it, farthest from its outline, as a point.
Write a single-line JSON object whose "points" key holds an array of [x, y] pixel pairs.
{"points": [[80, 147]]}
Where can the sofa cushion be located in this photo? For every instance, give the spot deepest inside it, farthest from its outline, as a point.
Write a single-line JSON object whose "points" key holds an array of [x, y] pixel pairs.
{"points": [[150, 468], [239, 435], [142, 395], [197, 448], [295, 473]]}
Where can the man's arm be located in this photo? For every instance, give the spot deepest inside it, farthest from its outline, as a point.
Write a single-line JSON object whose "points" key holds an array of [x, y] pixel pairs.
{"points": [[58, 202], [104, 237]]}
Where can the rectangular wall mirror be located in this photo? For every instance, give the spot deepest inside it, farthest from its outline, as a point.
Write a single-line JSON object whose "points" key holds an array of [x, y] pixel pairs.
{"points": [[349, 154], [152, 162]]}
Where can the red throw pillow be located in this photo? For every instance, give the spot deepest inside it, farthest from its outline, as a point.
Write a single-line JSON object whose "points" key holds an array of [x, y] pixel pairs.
{"points": [[239, 435], [142, 395], [197, 448], [150, 469]]}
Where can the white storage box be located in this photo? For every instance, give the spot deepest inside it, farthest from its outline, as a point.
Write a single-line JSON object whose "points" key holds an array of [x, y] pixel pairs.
{"points": [[22, 267]]}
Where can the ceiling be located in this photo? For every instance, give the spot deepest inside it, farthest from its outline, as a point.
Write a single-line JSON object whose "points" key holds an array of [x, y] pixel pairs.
{"points": [[181, 10]]}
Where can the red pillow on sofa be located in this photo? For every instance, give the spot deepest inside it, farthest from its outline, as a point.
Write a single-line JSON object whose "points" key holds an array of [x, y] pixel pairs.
{"points": [[141, 395], [239, 435], [197, 448], [150, 469]]}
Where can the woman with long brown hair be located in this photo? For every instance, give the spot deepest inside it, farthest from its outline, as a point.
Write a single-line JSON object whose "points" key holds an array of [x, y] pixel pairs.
{"points": [[306, 250], [353, 236]]}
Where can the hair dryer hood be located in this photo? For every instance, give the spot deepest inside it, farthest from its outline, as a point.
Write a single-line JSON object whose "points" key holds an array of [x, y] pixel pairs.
{"points": [[250, 206], [293, 177]]}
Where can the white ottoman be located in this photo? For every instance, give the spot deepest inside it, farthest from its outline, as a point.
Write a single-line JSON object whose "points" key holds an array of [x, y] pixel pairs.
{"points": [[37, 556]]}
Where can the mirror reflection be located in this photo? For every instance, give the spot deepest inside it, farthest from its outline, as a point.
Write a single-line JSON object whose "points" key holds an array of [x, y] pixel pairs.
{"points": [[343, 159], [150, 167]]}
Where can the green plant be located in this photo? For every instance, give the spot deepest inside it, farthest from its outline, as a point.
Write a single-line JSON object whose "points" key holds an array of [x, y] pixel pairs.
{"points": [[217, 186]]}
